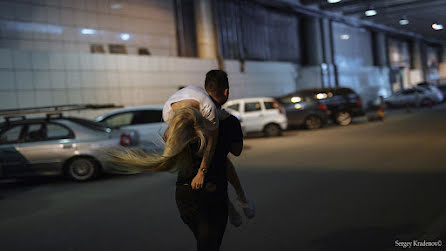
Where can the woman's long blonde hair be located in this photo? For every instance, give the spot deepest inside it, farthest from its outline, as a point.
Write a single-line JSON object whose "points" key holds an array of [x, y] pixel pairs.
{"points": [[187, 126]]}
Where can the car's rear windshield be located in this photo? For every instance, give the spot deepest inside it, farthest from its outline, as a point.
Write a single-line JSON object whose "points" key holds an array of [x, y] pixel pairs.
{"points": [[90, 124]]}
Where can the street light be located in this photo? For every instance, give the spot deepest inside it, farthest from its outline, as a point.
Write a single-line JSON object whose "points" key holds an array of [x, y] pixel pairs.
{"points": [[370, 12], [436, 26], [125, 36], [404, 21]]}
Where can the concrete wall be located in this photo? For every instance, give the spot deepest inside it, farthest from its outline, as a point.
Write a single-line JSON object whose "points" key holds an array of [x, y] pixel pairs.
{"points": [[369, 82], [309, 77], [56, 25], [415, 77], [35, 78]]}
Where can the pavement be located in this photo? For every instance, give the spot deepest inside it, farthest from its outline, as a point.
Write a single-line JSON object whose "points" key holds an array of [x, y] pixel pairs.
{"points": [[367, 186]]}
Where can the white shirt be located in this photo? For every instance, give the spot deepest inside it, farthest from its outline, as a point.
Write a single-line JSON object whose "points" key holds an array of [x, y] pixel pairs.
{"points": [[207, 106]]}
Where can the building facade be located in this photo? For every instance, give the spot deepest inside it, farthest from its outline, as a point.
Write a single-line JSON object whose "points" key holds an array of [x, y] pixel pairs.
{"points": [[137, 52]]}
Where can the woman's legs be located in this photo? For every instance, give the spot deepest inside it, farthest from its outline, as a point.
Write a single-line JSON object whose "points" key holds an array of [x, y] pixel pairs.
{"points": [[234, 180], [245, 202]]}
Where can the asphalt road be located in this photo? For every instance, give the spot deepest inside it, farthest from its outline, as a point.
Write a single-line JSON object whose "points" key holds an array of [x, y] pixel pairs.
{"points": [[366, 186]]}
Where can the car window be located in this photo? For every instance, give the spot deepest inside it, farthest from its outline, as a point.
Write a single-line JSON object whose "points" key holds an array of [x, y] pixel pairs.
{"points": [[406, 92], [57, 131], [419, 90], [252, 107], [146, 117], [35, 132], [234, 107], [344, 91], [269, 105], [11, 135], [118, 120], [89, 124]]}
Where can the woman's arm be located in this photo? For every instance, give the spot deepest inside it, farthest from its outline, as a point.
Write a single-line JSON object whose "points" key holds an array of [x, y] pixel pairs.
{"points": [[198, 180]]}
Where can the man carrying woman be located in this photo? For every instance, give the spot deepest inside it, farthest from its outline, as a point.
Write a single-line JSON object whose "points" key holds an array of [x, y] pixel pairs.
{"points": [[197, 147]]}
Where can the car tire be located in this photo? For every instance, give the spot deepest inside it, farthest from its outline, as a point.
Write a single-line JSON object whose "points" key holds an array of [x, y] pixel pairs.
{"points": [[343, 118], [313, 122], [272, 130], [82, 168]]}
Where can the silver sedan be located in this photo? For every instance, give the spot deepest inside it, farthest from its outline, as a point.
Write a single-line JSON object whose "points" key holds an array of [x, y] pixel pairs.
{"points": [[53, 146], [413, 96]]}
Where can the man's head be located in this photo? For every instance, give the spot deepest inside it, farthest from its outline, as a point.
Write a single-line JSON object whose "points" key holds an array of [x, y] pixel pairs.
{"points": [[217, 85]]}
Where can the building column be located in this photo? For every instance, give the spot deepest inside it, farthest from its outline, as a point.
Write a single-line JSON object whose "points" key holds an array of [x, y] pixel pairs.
{"points": [[417, 61], [205, 29], [417, 73], [380, 50], [329, 68], [318, 52], [312, 34]]}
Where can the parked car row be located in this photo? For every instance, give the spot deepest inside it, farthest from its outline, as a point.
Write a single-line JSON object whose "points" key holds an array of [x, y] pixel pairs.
{"points": [[76, 147], [314, 107]]}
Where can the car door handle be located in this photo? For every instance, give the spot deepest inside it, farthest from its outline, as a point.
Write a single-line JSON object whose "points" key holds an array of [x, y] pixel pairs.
{"points": [[67, 146]]}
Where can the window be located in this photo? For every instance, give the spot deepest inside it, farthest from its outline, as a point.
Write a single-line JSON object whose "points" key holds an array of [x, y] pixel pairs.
{"points": [[11, 135], [147, 116], [118, 120], [36, 132], [234, 107], [270, 105], [144, 51], [117, 49], [252, 107], [407, 92], [97, 48], [90, 124], [57, 132]]}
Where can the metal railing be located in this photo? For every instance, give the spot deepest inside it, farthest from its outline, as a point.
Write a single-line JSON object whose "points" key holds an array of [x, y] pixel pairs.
{"points": [[13, 113]]}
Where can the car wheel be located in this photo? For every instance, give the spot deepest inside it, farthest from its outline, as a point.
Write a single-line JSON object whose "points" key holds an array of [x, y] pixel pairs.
{"points": [[272, 130], [82, 169], [343, 118], [313, 122]]}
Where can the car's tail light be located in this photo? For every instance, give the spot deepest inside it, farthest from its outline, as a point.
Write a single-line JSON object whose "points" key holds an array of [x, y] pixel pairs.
{"points": [[359, 103], [322, 107], [126, 140]]}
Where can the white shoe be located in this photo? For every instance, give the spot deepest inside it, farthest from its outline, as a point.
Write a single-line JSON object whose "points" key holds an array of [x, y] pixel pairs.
{"points": [[248, 207]]}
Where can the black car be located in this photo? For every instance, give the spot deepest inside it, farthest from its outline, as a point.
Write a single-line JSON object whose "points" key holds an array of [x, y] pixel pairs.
{"points": [[307, 106], [304, 110]]}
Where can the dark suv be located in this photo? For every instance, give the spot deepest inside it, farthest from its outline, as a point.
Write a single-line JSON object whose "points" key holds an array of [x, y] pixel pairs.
{"points": [[312, 106], [303, 109]]}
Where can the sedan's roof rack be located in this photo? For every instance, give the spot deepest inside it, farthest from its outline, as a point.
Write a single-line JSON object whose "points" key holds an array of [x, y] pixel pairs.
{"points": [[14, 113]]}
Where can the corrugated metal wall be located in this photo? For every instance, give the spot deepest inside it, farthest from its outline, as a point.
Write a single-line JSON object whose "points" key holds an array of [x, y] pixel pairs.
{"points": [[250, 31]]}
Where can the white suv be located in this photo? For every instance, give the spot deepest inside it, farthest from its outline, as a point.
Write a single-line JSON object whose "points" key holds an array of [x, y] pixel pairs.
{"points": [[261, 114]]}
